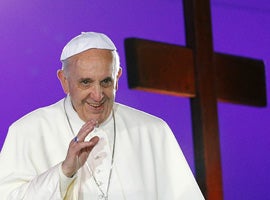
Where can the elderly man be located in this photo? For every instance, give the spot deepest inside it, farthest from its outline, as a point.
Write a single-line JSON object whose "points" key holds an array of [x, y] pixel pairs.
{"points": [[87, 146]]}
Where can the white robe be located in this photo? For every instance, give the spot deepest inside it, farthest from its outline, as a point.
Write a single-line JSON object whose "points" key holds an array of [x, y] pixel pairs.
{"points": [[148, 162]]}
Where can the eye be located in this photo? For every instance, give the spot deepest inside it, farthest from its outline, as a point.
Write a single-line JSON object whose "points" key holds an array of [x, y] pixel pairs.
{"points": [[85, 83], [107, 82]]}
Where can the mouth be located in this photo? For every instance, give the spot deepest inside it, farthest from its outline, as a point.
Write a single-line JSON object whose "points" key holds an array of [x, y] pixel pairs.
{"points": [[97, 105], [94, 105]]}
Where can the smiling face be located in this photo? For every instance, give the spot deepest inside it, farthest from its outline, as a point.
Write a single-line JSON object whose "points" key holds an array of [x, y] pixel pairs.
{"points": [[91, 81]]}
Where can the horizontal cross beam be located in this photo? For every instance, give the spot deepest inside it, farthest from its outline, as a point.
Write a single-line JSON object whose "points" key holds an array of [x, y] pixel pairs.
{"points": [[238, 80]]}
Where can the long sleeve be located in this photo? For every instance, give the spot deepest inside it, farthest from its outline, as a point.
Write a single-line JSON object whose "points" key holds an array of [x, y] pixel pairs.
{"points": [[43, 186], [177, 180], [157, 168], [31, 158], [20, 177]]}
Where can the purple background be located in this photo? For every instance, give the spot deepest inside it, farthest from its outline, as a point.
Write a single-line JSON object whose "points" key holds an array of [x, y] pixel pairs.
{"points": [[32, 34]]}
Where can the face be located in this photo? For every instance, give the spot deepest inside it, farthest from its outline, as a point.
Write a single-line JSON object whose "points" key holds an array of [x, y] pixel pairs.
{"points": [[91, 82]]}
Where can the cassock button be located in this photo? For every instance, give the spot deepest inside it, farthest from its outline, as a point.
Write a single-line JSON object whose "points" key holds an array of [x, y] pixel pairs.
{"points": [[99, 183], [97, 157], [102, 197]]}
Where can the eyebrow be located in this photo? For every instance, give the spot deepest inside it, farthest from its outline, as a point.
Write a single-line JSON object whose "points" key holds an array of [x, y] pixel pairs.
{"points": [[108, 77], [91, 80], [85, 79]]}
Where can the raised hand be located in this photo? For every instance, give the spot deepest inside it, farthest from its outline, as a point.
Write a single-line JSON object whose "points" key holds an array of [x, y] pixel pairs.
{"points": [[79, 149]]}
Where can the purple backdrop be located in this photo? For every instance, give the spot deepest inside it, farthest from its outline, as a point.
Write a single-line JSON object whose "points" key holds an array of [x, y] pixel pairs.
{"points": [[33, 33]]}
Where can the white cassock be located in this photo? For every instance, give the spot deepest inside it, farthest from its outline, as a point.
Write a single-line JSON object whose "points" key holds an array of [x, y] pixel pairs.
{"points": [[148, 163]]}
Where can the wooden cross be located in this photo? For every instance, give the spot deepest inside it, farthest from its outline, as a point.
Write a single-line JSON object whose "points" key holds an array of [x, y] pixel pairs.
{"points": [[197, 72]]}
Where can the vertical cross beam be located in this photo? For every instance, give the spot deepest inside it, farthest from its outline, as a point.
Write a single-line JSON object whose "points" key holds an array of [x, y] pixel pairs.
{"points": [[204, 105]]}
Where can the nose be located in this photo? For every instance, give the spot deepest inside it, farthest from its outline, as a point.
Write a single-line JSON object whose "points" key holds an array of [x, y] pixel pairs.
{"points": [[97, 92]]}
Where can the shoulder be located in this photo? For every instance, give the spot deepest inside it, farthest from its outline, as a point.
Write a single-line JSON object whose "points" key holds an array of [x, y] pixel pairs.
{"points": [[134, 116], [45, 114], [143, 129], [134, 113]]}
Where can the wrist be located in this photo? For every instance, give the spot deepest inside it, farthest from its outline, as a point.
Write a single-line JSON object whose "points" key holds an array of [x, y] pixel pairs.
{"points": [[68, 172]]}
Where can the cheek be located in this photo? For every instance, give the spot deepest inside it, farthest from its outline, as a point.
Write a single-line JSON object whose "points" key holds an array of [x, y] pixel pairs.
{"points": [[77, 94], [110, 92], [70, 87], [65, 86]]}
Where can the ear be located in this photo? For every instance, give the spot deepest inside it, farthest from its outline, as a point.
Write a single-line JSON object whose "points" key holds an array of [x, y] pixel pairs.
{"points": [[63, 80], [117, 77]]}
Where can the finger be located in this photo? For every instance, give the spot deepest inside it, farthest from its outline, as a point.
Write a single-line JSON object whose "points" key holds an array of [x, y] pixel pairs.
{"points": [[77, 155], [88, 146], [94, 140], [76, 148], [86, 129], [75, 139], [93, 122]]}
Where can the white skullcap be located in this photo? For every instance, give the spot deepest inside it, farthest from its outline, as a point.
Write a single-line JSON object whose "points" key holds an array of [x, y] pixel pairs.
{"points": [[85, 41]]}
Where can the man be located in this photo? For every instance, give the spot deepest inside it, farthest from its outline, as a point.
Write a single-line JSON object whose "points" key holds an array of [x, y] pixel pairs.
{"points": [[87, 146]]}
